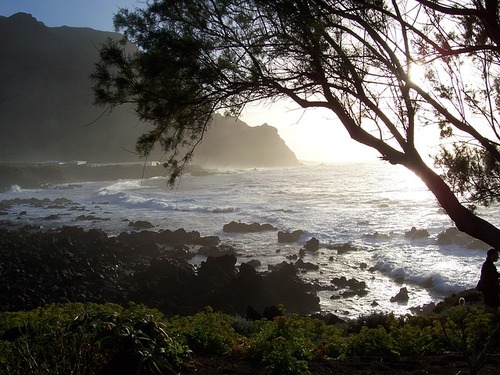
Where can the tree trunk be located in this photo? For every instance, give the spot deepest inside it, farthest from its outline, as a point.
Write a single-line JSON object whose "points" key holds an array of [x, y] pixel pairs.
{"points": [[464, 219]]}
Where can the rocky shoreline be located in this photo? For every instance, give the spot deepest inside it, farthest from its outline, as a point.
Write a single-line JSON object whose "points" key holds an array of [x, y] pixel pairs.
{"points": [[156, 268], [70, 264]]}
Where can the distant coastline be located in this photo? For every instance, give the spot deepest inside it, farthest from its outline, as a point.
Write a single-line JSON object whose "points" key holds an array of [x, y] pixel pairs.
{"points": [[37, 174], [33, 175]]}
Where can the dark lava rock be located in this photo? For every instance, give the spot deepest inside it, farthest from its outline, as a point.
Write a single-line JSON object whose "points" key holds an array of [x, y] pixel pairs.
{"points": [[141, 224], [255, 263], [328, 318], [343, 282], [52, 217], [218, 270], [217, 251], [142, 242], [312, 244], [377, 236], [90, 218], [234, 227], [295, 295], [74, 265], [415, 233], [287, 237], [402, 296], [182, 237], [300, 264], [344, 248], [352, 293], [44, 267], [453, 236]]}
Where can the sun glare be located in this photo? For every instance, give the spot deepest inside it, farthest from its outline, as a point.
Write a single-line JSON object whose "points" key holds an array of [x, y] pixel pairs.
{"points": [[313, 134], [408, 182], [417, 73]]}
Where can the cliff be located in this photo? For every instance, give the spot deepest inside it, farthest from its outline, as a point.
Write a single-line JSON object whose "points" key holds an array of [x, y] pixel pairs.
{"points": [[47, 111]]}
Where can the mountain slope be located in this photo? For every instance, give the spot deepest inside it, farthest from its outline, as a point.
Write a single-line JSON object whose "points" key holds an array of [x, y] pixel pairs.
{"points": [[47, 111]]}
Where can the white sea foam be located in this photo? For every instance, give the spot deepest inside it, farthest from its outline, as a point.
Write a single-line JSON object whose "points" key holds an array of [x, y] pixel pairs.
{"points": [[15, 189], [369, 206]]}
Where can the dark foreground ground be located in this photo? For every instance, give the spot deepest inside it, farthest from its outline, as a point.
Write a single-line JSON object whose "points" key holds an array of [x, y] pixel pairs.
{"points": [[449, 364]]}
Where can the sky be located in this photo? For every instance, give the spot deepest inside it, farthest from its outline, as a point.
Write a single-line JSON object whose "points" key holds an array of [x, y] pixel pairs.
{"points": [[313, 135]]}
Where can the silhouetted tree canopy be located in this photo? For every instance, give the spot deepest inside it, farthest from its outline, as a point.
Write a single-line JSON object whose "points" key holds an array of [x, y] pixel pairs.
{"points": [[464, 72], [352, 57]]}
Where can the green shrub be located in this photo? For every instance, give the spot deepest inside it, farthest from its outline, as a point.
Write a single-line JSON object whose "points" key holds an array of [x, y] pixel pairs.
{"points": [[469, 331], [134, 344], [285, 344], [242, 325], [99, 340], [208, 332], [414, 336], [84, 339], [332, 343], [374, 320], [281, 358], [54, 314], [370, 341], [45, 349]]}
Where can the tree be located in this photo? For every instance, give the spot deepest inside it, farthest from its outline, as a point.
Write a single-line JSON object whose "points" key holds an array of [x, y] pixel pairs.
{"points": [[352, 57], [468, 39]]}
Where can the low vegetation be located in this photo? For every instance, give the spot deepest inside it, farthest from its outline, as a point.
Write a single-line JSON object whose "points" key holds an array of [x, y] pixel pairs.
{"points": [[87, 338]]}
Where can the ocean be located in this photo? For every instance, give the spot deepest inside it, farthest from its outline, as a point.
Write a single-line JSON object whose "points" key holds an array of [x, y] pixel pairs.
{"points": [[366, 208]]}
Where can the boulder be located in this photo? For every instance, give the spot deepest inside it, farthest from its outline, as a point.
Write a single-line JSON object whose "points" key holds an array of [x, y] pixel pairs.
{"points": [[343, 282], [207, 241], [90, 218], [352, 293], [271, 312], [254, 263], [234, 227], [180, 252], [217, 251], [142, 242], [415, 233], [287, 237], [141, 224], [402, 296], [453, 236], [294, 294], [344, 248], [177, 237], [300, 264], [217, 270], [377, 236], [312, 244], [328, 318]]}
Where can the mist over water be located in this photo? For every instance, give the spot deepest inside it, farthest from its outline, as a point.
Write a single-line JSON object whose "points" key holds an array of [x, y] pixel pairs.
{"points": [[369, 207]]}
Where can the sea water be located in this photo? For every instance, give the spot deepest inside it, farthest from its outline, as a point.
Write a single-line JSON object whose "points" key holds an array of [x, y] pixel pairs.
{"points": [[367, 206]]}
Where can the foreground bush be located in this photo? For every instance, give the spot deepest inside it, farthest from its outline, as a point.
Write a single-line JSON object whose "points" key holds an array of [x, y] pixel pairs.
{"points": [[89, 339], [208, 332], [110, 339]]}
